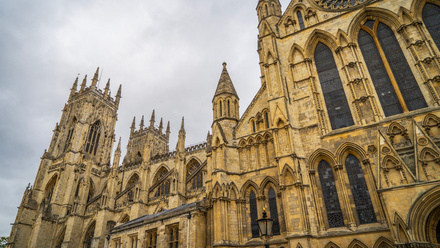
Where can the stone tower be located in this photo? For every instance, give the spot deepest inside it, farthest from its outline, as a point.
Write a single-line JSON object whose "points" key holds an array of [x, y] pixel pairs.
{"points": [[72, 167]]}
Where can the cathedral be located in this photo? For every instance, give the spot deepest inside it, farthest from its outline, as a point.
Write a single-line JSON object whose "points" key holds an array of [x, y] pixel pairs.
{"points": [[340, 146]]}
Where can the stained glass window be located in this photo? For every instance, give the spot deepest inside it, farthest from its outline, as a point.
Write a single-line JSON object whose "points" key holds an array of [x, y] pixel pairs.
{"points": [[274, 212], [331, 200], [89, 236], [402, 72], [380, 50], [431, 18], [381, 81], [254, 214], [300, 20], [359, 189], [334, 96]]}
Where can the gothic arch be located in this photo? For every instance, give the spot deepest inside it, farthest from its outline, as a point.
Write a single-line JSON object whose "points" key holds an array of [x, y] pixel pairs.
{"points": [[421, 212], [348, 147], [395, 128], [270, 58], [319, 36], [401, 229], [268, 182], [217, 190], [296, 54], [431, 120], [387, 17], [232, 191], [417, 7], [89, 234], [159, 171], [383, 243], [357, 244], [342, 38], [426, 151], [318, 155], [267, 136], [247, 186], [134, 178], [242, 143], [60, 237], [405, 16], [286, 168], [394, 161], [331, 245]]}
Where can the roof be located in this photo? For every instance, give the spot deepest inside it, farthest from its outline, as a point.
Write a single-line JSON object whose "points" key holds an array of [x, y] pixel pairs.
{"points": [[186, 208], [225, 85]]}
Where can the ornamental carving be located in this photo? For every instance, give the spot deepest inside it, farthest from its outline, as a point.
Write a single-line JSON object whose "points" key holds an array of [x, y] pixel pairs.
{"points": [[341, 5]]}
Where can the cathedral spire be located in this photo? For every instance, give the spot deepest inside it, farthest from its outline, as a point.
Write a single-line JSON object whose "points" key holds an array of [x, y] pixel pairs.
{"points": [[95, 78], [107, 87], [83, 84], [167, 133], [152, 120], [118, 95], [117, 156], [141, 126], [225, 84], [133, 126], [74, 86], [181, 139], [160, 125]]}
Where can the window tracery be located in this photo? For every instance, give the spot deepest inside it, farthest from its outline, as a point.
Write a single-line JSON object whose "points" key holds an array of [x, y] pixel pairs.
{"points": [[359, 189], [173, 240], [300, 20], [274, 211], [93, 138], [330, 195], [430, 16], [392, 78]]}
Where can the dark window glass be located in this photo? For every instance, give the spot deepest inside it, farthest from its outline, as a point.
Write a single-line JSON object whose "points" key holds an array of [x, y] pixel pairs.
{"points": [[254, 215], [253, 126], [402, 72], [274, 212], [437, 232], [334, 96], [266, 115], [370, 24], [359, 189], [93, 138], [331, 200], [431, 18], [300, 20], [381, 81], [89, 236]]}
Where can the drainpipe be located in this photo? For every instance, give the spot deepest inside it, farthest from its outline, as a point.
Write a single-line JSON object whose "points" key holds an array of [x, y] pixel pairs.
{"points": [[187, 233]]}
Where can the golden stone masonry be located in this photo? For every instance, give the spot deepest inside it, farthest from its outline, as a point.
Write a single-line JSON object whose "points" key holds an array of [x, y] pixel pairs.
{"points": [[341, 145]]}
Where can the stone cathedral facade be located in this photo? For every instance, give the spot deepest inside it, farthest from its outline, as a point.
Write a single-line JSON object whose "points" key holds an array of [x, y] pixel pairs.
{"points": [[341, 146]]}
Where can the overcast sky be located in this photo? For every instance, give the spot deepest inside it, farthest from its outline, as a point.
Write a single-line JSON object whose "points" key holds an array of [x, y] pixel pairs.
{"points": [[166, 54]]}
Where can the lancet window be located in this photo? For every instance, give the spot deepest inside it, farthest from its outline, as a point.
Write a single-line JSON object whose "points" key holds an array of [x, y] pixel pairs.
{"points": [[392, 78], [331, 84], [253, 214], [93, 138], [274, 211], [70, 134], [89, 236], [359, 189], [151, 238], [330, 195], [300, 20], [173, 240], [430, 15], [163, 188]]}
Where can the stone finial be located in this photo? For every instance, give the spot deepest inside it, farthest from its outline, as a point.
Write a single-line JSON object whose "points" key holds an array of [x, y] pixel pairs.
{"points": [[107, 87], [95, 77], [152, 120], [141, 126], [160, 125], [83, 84]]}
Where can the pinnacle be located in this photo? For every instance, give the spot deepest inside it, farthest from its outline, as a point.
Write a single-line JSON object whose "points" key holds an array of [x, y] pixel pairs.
{"points": [[225, 84]]}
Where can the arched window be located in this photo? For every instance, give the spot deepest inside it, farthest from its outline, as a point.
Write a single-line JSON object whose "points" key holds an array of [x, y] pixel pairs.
{"points": [[229, 108], [162, 183], [254, 214], [393, 80], [274, 211], [430, 15], [50, 188], [334, 95], [70, 134], [89, 236], [300, 20], [93, 138], [266, 117], [359, 189], [254, 129], [220, 108], [330, 195]]}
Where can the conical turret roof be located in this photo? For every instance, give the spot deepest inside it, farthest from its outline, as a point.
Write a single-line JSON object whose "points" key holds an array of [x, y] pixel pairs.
{"points": [[225, 85]]}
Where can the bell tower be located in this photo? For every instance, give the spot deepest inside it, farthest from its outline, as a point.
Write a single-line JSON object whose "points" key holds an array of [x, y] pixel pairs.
{"points": [[71, 169]]}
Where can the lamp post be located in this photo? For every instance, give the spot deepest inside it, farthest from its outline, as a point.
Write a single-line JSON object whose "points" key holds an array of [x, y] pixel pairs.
{"points": [[265, 225]]}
